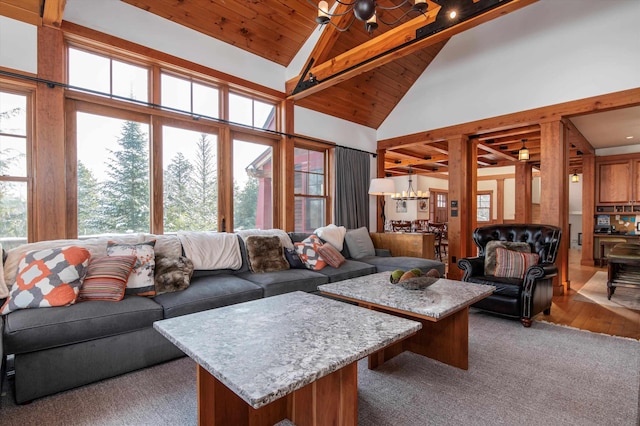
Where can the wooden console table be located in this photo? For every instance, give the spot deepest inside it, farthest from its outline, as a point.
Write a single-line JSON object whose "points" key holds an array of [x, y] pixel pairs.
{"points": [[406, 244]]}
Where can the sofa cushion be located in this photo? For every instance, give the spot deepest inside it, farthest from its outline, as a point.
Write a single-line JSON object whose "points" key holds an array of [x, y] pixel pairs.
{"points": [[509, 287], [294, 259], [514, 264], [106, 278], [211, 250], [172, 273], [331, 255], [280, 282], [490, 253], [208, 292], [332, 234], [383, 263], [49, 277], [140, 282], [37, 329], [349, 269], [359, 243], [308, 251], [265, 254]]}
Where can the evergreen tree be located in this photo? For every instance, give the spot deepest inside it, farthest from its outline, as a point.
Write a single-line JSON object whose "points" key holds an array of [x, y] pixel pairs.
{"points": [[245, 205], [178, 200], [205, 202], [126, 192], [88, 202], [13, 206]]}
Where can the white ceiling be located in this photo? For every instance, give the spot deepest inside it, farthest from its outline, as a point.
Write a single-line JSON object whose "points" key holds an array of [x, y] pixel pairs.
{"points": [[610, 128]]}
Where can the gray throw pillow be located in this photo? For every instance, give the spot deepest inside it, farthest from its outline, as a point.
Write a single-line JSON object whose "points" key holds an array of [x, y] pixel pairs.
{"points": [[490, 253], [359, 243]]}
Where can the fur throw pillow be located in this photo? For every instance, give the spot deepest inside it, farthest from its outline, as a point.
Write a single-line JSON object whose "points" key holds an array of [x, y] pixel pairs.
{"points": [[266, 254], [172, 273]]}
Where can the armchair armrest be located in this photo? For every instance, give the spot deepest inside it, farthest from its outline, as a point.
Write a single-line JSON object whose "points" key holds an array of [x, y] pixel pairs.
{"points": [[471, 266], [537, 272]]}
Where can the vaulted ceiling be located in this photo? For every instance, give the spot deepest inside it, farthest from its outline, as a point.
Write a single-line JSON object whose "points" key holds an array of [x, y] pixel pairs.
{"points": [[357, 76]]}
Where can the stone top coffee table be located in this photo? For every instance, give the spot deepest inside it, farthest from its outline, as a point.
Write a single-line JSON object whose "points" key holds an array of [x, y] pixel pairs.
{"points": [[442, 308], [288, 356]]}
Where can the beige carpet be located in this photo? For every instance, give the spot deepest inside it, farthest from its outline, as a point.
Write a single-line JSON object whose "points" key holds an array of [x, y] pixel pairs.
{"points": [[595, 291], [545, 375]]}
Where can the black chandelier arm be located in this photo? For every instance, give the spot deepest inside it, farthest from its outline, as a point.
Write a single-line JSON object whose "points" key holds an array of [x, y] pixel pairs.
{"points": [[341, 29], [390, 7]]}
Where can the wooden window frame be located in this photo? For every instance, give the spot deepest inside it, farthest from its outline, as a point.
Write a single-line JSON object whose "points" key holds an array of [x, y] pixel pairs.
{"points": [[327, 150], [490, 194]]}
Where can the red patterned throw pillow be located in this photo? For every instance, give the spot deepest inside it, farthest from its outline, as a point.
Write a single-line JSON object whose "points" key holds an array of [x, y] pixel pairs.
{"points": [[50, 277], [514, 264], [331, 255], [106, 278], [308, 251]]}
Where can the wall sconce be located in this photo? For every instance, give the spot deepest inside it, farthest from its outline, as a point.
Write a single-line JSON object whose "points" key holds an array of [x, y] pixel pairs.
{"points": [[523, 154], [382, 186], [574, 177]]}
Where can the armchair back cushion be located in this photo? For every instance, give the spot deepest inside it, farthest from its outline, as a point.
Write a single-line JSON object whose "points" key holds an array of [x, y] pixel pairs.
{"points": [[543, 239]]}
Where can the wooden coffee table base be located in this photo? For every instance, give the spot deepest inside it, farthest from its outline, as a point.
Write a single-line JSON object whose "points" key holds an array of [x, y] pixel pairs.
{"points": [[330, 400], [445, 340]]}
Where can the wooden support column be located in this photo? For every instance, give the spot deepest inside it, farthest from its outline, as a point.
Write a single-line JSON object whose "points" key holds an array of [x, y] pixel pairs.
{"points": [[287, 148], [380, 174], [500, 201], [463, 169], [588, 207], [49, 188], [523, 192], [554, 193]]}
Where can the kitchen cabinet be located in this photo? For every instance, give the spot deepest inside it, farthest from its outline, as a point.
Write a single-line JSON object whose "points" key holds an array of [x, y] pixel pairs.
{"points": [[618, 184]]}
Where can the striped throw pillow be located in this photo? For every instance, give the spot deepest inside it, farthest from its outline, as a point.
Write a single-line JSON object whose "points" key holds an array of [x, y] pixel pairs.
{"points": [[513, 264], [106, 278], [331, 255]]}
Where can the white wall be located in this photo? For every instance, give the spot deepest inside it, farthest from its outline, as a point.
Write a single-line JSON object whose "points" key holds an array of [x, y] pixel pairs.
{"points": [[134, 24], [18, 45], [546, 53]]}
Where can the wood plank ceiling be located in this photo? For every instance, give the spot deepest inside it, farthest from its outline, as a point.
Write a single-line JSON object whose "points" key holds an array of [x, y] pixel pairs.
{"points": [[365, 91]]}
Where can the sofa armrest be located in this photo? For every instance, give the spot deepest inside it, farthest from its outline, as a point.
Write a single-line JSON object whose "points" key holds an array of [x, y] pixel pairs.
{"points": [[383, 252], [471, 267]]}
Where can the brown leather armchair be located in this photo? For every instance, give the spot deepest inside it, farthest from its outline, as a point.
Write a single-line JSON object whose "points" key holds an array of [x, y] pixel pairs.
{"points": [[516, 298]]}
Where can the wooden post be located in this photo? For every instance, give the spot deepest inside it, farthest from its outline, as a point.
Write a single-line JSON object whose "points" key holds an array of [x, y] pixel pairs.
{"points": [[500, 201], [380, 174], [463, 168], [523, 192], [50, 186], [554, 193], [588, 207], [287, 149]]}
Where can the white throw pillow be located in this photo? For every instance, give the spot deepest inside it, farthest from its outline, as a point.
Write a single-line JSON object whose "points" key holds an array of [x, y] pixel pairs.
{"points": [[332, 234]]}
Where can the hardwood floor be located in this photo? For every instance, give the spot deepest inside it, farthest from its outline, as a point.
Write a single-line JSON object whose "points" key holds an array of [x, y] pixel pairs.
{"points": [[590, 316]]}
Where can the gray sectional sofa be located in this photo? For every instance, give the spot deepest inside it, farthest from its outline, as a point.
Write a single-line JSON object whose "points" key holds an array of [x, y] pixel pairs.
{"points": [[59, 348]]}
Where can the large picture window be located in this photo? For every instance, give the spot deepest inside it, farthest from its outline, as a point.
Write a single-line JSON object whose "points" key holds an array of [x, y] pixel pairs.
{"points": [[309, 189], [252, 185], [190, 180], [113, 175], [13, 169]]}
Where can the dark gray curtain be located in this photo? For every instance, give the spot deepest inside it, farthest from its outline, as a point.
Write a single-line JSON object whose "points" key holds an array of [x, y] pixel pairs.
{"points": [[352, 186]]}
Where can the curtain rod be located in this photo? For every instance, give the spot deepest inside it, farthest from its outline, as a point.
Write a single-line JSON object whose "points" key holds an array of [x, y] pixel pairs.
{"points": [[52, 84]]}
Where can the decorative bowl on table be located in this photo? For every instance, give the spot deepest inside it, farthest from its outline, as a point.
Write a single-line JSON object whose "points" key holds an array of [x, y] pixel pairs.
{"points": [[417, 283]]}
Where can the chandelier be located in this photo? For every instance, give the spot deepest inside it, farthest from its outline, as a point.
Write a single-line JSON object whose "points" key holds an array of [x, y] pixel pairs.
{"points": [[410, 193], [365, 11]]}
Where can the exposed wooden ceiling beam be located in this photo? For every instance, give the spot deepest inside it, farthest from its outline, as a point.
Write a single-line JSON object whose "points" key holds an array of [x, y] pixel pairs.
{"points": [[359, 60], [577, 138], [376, 46], [53, 12], [496, 152]]}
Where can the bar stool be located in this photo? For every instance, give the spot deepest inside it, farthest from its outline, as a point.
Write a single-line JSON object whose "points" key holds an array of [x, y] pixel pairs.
{"points": [[608, 243]]}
